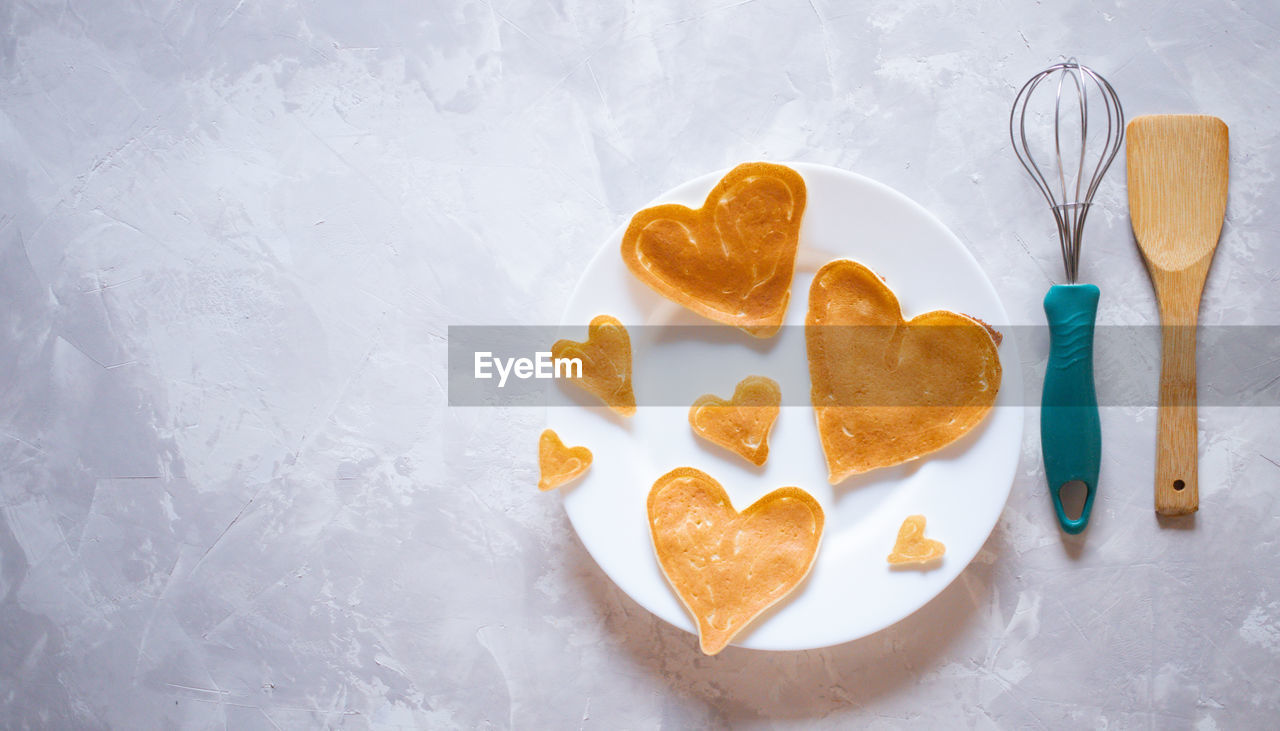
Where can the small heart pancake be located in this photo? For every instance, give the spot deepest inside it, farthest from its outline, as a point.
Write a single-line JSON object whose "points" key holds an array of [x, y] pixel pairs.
{"points": [[884, 390], [606, 363], [742, 423], [912, 546], [559, 464], [730, 260], [729, 567]]}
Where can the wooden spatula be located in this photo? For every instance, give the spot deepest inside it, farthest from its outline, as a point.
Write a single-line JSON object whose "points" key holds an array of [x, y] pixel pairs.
{"points": [[1177, 199]]}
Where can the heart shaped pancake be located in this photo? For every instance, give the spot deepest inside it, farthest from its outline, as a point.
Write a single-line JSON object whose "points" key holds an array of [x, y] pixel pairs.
{"points": [[730, 260], [729, 567], [912, 546], [559, 464], [606, 363], [885, 390], [742, 423]]}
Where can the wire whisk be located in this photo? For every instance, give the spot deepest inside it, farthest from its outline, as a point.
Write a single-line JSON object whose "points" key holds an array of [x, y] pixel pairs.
{"points": [[1073, 178]]}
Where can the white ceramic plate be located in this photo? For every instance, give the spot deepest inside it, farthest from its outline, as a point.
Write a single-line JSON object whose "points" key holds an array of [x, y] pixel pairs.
{"points": [[851, 592]]}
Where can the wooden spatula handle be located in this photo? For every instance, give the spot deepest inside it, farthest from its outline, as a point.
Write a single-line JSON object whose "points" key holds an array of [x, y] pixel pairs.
{"points": [[1177, 468]]}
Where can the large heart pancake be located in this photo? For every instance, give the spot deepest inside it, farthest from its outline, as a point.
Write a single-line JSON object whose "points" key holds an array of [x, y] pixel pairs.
{"points": [[742, 423], [886, 390], [606, 363], [730, 260], [729, 567], [558, 464]]}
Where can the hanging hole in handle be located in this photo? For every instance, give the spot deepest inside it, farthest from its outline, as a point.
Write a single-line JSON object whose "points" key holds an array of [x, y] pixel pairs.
{"points": [[1179, 484], [1072, 495]]}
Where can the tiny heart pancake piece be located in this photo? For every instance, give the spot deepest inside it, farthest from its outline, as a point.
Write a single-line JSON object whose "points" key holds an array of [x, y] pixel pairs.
{"points": [[912, 546], [729, 567], [742, 423], [606, 363], [730, 260], [559, 464], [885, 390]]}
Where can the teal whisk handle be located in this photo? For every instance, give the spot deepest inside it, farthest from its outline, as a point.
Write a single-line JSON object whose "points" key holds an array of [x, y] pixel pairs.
{"points": [[1070, 432]]}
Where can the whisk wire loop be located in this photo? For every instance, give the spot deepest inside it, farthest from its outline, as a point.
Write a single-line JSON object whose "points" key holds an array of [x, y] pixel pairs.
{"points": [[1073, 197]]}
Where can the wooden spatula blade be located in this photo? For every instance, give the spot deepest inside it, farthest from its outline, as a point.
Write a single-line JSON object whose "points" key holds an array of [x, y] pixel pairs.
{"points": [[1177, 186], [1178, 172]]}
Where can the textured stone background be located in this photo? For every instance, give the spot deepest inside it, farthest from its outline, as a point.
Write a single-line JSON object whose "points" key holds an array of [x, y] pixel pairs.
{"points": [[232, 237]]}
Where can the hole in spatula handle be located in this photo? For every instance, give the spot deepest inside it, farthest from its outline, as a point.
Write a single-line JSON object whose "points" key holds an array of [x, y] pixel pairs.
{"points": [[1072, 496], [1179, 484]]}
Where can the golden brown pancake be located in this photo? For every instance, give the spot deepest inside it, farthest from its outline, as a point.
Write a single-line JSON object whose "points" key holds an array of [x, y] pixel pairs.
{"points": [[606, 363], [559, 464], [729, 567], [912, 546], [885, 390], [742, 423], [730, 260]]}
